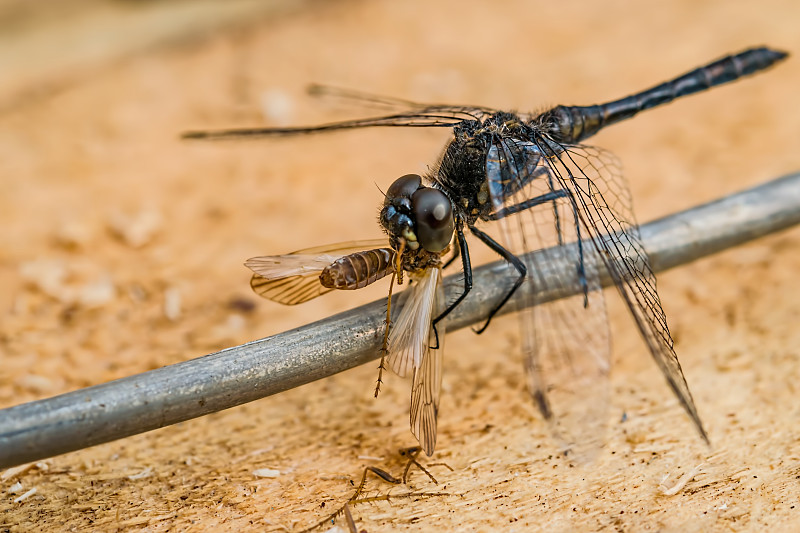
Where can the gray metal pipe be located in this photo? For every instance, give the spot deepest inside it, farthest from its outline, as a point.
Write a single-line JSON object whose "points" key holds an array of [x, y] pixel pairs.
{"points": [[241, 374]]}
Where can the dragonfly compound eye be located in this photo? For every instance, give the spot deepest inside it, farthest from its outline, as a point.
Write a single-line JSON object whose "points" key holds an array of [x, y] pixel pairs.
{"points": [[403, 187], [396, 216], [433, 213]]}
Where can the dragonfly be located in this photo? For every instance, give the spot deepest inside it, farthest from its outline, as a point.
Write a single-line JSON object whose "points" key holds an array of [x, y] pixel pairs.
{"points": [[532, 176]]}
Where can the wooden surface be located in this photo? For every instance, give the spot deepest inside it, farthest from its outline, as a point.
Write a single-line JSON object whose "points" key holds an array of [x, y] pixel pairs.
{"points": [[121, 251]]}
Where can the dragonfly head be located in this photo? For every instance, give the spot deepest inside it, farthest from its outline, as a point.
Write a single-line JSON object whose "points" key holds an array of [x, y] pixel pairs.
{"points": [[419, 215]]}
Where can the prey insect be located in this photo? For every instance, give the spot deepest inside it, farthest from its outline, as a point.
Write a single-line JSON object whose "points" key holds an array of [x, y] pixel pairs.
{"points": [[411, 345], [531, 175]]}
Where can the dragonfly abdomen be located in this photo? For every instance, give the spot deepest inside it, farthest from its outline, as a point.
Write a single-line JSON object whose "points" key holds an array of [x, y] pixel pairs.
{"points": [[358, 269], [572, 124]]}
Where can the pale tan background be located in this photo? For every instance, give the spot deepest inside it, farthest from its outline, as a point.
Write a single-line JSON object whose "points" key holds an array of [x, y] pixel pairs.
{"points": [[121, 251]]}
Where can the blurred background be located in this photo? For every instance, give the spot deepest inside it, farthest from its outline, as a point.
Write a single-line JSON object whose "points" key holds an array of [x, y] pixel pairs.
{"points": [[121, 250]]}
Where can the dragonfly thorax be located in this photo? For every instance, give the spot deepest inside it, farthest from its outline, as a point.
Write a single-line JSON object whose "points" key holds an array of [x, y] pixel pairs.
{"points": [[462, 175]]}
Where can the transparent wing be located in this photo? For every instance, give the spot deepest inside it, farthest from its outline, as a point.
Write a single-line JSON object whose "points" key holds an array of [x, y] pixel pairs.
{"points": [[565, 343], [408, 338], [427, 380], [596, 192], [407, 114], [293, 278], [410, 353], [604, 202], [387, 103]]}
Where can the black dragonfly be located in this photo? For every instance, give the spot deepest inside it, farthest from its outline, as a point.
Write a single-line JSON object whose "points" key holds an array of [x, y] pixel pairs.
{"points": [[530, 173]]}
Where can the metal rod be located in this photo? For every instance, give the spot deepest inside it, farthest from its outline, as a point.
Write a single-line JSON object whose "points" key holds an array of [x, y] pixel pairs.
{"points": [[241, 374]]}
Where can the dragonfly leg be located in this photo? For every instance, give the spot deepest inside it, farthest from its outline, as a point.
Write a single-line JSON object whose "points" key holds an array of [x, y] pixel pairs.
{"points": [[515, 261], [581, 264], [527, 204], [464, 251], [556, 214]]}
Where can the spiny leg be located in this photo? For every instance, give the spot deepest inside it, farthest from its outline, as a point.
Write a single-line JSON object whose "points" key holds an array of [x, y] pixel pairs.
{"points": [[354, 498], [515, 261], [576, 220], [411, 453], [551, 196], [581, 264], [385, 344], [398, 275], [556, 214], [465, 262]]}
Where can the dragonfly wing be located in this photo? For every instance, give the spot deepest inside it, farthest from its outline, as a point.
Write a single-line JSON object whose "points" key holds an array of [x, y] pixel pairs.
{"points": [[389, 103], [399, 113], [595, 180], [293, 278], [565, 343], [431, 117], [427, 381]]}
